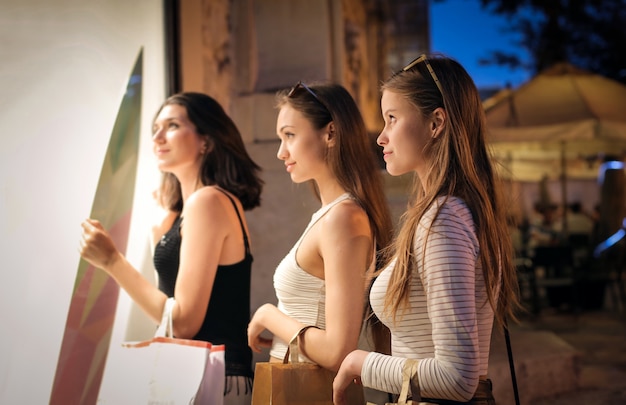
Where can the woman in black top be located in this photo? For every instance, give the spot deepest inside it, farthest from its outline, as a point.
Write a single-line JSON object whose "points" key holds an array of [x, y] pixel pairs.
{"points": [[201, 251]]}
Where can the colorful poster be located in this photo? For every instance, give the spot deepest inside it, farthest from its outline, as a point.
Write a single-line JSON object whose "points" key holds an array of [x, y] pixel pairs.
{"points": [[94, 298]]}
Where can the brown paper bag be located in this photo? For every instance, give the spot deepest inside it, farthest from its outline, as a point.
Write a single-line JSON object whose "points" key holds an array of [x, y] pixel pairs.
{"points": [[297, 383]]}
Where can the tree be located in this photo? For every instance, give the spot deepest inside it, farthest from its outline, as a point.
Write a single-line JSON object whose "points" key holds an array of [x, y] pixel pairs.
{"points": [[590, 34]]}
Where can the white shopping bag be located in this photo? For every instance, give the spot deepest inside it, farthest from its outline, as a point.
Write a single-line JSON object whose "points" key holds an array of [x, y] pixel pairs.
{"points": [[164, 370]]}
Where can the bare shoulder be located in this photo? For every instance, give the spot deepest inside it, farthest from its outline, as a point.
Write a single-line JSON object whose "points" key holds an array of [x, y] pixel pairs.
{"points": [[206, 202], [347, 217], [205, 195]]}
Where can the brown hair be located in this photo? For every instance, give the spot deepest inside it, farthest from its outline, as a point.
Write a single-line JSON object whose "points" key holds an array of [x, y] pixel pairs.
{"points": [[226, 162], [352, 159]]}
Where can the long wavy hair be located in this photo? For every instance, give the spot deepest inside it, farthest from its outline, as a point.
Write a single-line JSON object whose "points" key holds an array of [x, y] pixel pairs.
{"points": [[226, 162], [460, 166], [352, 159]]}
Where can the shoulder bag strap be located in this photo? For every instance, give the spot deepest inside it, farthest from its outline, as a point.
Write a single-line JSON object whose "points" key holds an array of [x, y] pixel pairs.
{"points": [[511, 364]]}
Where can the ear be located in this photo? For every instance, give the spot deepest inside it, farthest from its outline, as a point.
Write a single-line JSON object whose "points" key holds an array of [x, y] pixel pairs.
{"points": [[330, 134], [438, 121], [207, 145]]}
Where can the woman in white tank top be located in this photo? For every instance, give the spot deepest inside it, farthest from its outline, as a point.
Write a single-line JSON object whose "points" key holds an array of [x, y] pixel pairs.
{"points": [[321, 282]]}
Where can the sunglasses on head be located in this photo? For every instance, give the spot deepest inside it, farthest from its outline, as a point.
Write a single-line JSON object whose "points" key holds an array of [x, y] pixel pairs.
{"points": [[433, 75], [308, 89]]}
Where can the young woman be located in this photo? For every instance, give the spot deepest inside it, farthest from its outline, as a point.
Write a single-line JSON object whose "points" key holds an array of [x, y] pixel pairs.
{"points": [[450, 272], [322, 280], [202, 252]]}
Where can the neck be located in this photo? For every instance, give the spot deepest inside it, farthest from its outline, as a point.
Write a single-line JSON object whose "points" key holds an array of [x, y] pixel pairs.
{"points": [[329, 191], [188, 184]]}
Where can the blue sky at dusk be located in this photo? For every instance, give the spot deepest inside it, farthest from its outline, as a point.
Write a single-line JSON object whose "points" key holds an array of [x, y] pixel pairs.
{"points": [[464, 31]]}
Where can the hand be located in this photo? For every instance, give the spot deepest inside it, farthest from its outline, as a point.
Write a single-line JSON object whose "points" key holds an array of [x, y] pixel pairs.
{"points": [[255, 328], [96, 246], [349, 371]]}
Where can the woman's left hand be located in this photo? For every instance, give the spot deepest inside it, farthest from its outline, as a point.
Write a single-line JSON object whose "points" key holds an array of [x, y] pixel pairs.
{"points": [[255, 328], [349, 371], [96, 246]]}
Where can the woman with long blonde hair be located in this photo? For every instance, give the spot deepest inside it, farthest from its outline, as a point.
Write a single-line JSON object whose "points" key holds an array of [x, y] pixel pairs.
{"points": [[450, 272]]}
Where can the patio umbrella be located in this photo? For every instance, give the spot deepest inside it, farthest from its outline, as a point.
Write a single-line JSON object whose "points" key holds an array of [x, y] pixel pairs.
{"points": [[559, 123]]}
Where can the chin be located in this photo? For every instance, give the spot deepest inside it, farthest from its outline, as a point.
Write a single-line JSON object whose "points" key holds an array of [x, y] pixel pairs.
{"points": [[392, 171], [299, 180]]}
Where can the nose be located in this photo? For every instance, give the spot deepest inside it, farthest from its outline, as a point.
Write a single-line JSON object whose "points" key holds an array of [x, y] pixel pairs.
{"points": [[282, 151], [158, 135], [382, 138]]}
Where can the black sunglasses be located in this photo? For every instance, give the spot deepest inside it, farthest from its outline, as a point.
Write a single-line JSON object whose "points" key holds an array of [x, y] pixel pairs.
{"points": [[433, 75], [308, 89]]}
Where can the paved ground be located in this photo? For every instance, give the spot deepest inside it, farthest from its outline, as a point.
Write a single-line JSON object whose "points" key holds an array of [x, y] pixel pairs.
{"points": [[600, 338]]}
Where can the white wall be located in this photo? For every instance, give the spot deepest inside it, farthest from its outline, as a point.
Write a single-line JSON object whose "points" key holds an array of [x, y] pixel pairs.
{"points": [[65, 66]]}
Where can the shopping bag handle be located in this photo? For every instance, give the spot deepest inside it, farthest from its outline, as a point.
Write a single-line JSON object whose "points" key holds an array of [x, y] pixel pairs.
{"points": [[166, 327], [293, 352], [408, 371]]}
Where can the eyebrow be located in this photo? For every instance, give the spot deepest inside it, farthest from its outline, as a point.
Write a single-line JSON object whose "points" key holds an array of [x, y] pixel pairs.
{"points": [[165, 120], [284, 126]]}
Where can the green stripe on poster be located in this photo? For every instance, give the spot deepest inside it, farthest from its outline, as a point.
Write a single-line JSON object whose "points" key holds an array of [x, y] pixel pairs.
{"points": [[91, 314]]}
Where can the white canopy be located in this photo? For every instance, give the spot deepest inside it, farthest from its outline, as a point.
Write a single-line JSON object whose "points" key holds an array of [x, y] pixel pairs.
{"points": [[561, 121]]}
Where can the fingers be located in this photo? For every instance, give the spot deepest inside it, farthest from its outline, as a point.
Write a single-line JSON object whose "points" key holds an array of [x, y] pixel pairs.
{"points": [[265, 342], [257, 342], [347, 375], [90, 227], [338, 398], [84, 237], [87, 235], [95, 244], [92, 224]]}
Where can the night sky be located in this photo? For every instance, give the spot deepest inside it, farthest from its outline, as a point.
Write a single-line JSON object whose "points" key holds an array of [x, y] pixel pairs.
{"points": [[463, 30]]}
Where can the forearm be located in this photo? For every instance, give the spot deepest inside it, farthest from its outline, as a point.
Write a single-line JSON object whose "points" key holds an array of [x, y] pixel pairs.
{"points": [[382, 372], [141, 291], [329, 347], [276, 322]]}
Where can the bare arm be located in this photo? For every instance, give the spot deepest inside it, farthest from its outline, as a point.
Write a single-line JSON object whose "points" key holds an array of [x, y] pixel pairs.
{"points": [[343, 244], [207, 222], [346, 247], [206, 225], [97, 248]]}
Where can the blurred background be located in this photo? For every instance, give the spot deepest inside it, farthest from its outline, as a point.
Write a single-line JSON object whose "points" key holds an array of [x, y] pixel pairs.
{"points": [[552, 76]]}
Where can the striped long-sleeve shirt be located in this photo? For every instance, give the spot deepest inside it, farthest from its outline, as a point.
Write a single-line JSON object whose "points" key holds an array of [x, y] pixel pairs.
{"points": [[448, 323]]}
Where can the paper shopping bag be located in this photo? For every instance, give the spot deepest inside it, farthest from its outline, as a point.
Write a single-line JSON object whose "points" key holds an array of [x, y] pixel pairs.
{"points": [[293, 384], [297, 384], [164, 370]]}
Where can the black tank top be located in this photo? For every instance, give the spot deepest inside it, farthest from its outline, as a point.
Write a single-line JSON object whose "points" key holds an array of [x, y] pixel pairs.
{"points": [[228, 313]]}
